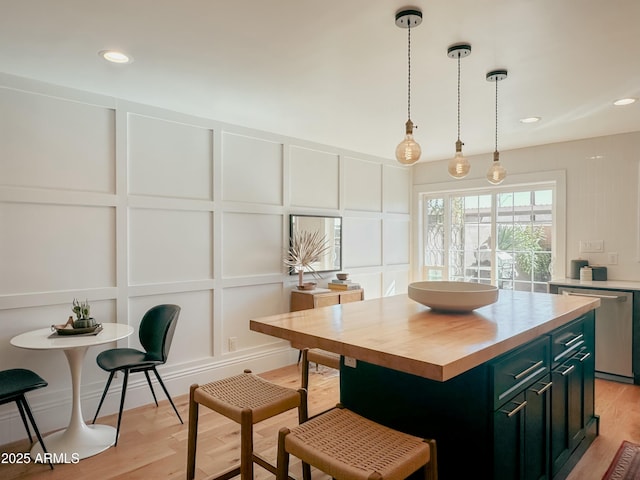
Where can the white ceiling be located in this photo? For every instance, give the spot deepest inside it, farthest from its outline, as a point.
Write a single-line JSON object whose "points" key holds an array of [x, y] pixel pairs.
{"points": [[335, 71]]}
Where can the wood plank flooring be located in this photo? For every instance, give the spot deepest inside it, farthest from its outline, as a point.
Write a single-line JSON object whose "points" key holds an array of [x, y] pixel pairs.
{"points": [[153, 444]]}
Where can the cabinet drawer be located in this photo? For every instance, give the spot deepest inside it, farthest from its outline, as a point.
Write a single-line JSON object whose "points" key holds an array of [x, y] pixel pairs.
{"points": [[519, 368], [348, 297], [325, 301], [566, 341]]}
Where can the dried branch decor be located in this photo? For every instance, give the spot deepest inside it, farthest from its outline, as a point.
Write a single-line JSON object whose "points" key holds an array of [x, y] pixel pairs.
{"points": [[305, 249]]}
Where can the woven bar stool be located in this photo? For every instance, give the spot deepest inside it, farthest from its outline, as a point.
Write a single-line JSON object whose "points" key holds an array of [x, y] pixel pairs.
{"points": [[350, 447], [317, 356], [246, 399]]}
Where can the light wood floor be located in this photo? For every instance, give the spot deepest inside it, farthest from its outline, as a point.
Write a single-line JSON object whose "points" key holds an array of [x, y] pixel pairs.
{"points": [[153, 443]]}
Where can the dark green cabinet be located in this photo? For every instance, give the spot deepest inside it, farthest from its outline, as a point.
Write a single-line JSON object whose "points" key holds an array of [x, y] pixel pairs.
{"points": [[572, 395], [515, 417], [521, 434]]}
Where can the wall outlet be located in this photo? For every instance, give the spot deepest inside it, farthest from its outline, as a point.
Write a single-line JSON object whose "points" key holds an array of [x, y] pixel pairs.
{"points": [[233, 344], [350, 362], [612, 258], [591, 246]]}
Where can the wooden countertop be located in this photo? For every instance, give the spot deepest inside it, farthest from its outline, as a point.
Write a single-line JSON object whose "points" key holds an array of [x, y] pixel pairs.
{"points": [[398, 333]]}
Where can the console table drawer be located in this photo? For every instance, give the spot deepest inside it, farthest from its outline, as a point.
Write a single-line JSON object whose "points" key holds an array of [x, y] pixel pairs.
{"points": [[304, 300]]}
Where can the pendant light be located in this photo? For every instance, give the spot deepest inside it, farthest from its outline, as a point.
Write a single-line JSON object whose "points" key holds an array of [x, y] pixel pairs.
{"points": [[459, 166], [496, 173], [408, 151]]}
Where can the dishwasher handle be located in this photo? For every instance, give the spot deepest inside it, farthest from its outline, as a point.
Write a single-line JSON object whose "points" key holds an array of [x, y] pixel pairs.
{"points": [[593, 295]]}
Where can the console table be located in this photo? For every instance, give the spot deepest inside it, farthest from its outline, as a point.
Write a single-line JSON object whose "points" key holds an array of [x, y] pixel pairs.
{"points": [[323, 297]]}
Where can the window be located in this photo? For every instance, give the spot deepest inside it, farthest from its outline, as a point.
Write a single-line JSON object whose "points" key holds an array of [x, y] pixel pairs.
{"points": [[502, 237]]}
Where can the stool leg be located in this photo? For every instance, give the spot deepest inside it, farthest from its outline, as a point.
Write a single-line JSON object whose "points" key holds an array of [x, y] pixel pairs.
{"points": [[193, 433], [305, 369], [282, 472], [246, 444], [431, 468]]}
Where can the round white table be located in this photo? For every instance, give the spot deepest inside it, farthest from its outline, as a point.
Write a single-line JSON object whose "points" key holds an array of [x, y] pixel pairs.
{"points": [[78, 440]]}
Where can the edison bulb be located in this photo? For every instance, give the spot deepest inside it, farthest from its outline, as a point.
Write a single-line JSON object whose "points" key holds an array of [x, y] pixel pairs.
{"points": [[408, 151], [496, 173], [459, 166]]}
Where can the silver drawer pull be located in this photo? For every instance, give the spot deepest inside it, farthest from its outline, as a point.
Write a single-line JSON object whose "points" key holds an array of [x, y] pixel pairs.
{"points": [[567, 370], [582, 356], [515, 410], [528, 370], [543, 389], [573, 340]]}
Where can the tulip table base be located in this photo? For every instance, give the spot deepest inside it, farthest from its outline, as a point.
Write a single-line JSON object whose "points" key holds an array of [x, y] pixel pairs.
{"points": [[78, 440]]}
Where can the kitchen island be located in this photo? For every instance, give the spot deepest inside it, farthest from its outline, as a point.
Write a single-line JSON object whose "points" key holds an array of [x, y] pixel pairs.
{"points": [[506, 390]]}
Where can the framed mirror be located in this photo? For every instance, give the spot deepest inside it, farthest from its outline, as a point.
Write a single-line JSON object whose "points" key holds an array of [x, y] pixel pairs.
{"points": [[327, 227]]}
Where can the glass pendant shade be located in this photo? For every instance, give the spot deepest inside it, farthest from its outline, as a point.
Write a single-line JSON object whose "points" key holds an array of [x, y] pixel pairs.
{"points": [[497, 172], [408, 151], [459, 166]]}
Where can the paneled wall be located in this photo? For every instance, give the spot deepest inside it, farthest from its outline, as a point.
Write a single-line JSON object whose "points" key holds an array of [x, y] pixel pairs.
{"points": [[129, 206]]}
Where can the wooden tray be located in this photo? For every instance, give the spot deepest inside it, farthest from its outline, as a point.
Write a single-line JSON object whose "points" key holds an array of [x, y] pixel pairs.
{"points": [[63, 330]]}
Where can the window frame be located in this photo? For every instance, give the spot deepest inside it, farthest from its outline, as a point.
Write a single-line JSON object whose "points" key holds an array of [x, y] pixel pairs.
{"points": [[554, 180]]}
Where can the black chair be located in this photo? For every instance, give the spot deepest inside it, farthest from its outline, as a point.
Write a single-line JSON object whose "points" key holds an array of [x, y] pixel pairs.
{"points": [[156, 332], [14, 384]]}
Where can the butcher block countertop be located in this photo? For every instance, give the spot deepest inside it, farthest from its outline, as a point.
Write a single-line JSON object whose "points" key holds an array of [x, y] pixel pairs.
{"points": [[399, 333]]}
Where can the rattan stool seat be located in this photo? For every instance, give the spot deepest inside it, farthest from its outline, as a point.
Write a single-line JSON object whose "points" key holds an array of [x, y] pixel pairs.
{"points": [[230, 396], [246, 399], [345, 446]]}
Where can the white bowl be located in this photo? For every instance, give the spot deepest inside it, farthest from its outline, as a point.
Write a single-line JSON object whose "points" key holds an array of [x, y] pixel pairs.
{"points": [[453, 296]]}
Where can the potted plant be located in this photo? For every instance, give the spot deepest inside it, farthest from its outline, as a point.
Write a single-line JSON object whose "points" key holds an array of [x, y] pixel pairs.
{"points": [[82, 311], [305, 248]]}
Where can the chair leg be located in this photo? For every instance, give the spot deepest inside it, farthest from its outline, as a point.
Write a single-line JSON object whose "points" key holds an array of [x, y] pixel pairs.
{"points": [[104, 394], [166, 392], [125, 380], [193, 434], [146, 374], [24, 419], [246, 444], [23, 400], [303, 416]]}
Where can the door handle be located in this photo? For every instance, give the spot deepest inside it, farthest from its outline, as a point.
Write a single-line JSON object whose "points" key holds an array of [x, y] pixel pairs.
{"points": [[543, 389], [593, 295], [567, 369], [519, 407], [582, 356]]}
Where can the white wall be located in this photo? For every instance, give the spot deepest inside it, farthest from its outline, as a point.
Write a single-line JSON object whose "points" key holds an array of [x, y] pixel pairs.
{"points": [[601, 193], [130, 206]]}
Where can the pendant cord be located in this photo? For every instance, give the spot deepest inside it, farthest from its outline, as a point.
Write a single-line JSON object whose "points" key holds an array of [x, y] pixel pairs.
{"points": [[496, 149], [409, 71], [458, 97]]}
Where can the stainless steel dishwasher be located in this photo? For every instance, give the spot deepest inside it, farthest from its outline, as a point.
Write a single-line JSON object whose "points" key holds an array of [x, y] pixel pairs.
{"points": [[614, 332]]}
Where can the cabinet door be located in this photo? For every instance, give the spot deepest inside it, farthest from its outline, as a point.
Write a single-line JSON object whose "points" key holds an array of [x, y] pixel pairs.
{"points": [[509, 435], [567, 411], [537, 424]]}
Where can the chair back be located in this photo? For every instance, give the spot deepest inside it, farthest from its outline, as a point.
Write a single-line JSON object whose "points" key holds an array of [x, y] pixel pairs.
{"points": [[156, 330]]}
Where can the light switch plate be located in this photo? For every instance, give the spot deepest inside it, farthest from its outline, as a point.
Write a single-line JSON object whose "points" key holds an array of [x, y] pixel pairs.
{"points": [[591, 246]]}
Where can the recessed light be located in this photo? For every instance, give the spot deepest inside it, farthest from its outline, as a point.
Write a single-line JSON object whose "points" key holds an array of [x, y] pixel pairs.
{"points": [[625, 101], [115, 56], [530, 120]]}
